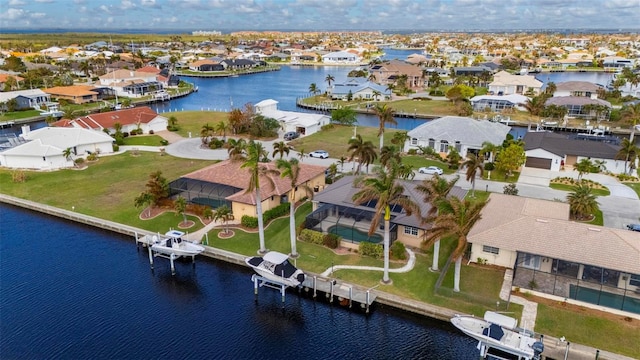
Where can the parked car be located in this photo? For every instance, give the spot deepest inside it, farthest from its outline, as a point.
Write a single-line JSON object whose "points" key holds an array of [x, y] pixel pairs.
{"points": [[430, 170], [319, 154], [633, 227], [291, 135]]}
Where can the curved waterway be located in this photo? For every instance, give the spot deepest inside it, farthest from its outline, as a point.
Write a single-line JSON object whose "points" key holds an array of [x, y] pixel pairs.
{"points": [[69, 291]]}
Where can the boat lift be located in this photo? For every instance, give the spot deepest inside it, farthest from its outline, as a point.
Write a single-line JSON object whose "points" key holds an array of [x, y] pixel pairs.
{"points": [[259, 281], [147, 240]]}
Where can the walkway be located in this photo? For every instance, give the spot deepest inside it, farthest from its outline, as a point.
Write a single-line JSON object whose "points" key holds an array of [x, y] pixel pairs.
{"points": [[406, 268], [530, 308]]}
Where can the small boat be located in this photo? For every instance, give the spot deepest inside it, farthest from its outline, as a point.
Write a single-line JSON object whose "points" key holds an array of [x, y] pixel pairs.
{"points": [[172, 243], [499, 332], [276, 267]]}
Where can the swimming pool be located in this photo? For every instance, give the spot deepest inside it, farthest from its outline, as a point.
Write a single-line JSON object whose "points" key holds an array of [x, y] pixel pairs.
{"points": [[604, 298], [349, 233], [213, 203]]}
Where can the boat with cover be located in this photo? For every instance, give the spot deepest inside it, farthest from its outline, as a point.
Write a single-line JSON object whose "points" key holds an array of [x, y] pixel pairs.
{"points": [[499, 332], [172, 243], [276, 267]]}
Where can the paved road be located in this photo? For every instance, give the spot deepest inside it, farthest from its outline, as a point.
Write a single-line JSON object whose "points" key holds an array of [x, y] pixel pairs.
{"points": [[622, 207]]}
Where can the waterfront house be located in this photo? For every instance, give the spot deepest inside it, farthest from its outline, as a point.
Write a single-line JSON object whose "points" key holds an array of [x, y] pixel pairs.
{"points": [[302, 123], [505, 84], [358, 88], [464, 134], [206, 65], [142, 117], [131, 83], [497, 103], [341, 57], [4, 78], [75, 94], [43, 149], [582, 107], [225, 183], [389, 72], [25, 99], [547, 150], [335, 212], [557, 258]]}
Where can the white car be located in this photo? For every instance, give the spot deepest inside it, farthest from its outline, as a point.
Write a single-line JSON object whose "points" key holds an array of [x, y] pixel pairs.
{"points": [[319, 154], [430, 170]]}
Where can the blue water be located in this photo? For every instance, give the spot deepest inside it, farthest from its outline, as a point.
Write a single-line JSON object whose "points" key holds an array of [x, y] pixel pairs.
{"points": [[69, 291]]}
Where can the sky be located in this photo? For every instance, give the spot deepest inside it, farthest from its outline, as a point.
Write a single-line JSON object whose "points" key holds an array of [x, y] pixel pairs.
{"points": [[317, 15]]}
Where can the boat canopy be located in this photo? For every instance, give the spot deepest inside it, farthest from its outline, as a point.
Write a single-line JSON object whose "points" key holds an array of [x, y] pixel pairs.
{"points": [[499, 319], [275, 257]]}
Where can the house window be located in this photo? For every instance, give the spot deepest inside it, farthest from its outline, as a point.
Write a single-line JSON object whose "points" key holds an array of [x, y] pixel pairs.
{"points": [[432, 143], [490, 249], [414, 141], [635, 280], [458, 146], [410, 230], [444, 146], [531, 261]]}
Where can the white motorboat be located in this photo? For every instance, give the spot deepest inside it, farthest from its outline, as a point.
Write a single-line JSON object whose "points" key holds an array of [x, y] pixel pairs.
{"points": [[172, 243], [499, 332], [276, 267]]}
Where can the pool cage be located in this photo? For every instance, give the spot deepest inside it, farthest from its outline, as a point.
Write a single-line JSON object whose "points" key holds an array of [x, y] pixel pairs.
{"points": [[351, 224], [571, 280], [202, 192]]}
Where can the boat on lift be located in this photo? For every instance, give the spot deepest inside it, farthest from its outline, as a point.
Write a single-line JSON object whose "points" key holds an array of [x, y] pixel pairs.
{"points": [[275, 266], [497, 332], [172, 243]]}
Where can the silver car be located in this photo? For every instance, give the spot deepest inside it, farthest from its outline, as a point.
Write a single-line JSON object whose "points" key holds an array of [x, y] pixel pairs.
{"points": [[430, 170], [319, 154]]}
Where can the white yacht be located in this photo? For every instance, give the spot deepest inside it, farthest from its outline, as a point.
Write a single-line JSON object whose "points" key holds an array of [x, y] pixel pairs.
{"points": [[172, 243], [276, 267], [499, 332]]}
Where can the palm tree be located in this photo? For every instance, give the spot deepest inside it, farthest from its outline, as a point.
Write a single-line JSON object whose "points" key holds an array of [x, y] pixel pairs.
{"points": [[492, 149], [361, 150], [224, 214], [399, 139], [388, 153], [222, 128], [236, 149], [68, 113], [435, 190], [341, 161], [385, 115], [143, 200], [474, 164], [206, 132], [67, 154], [535, 105], [255, 152], [582, 201], [631, 113], [180, 206], [280, 148], [385, 189], [313, 89], [455, 218], [329, 79], [628, 152], [376, 94], [291, 169]]}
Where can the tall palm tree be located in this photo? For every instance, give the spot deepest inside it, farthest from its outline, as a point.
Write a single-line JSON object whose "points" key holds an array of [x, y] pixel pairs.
{"points": [[313, 89], [67, 153], [399, 139], [385, 116], [492, 149], [455, 218], [280, 148], [291, 170], [388, 153], [386, 190], [435, 190], [376, 94], [631, 113], [329, 79], [628, 152], [474, 164], [180, 206], [363, 151], [582, 201], [222, 128], [257, 170], [206, 132]]}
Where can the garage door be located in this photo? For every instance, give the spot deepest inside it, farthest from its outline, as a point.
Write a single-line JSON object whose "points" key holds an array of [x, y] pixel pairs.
{"points": [[540, 163]]}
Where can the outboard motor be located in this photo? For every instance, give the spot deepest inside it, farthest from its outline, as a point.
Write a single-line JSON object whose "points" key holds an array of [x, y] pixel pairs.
{"points": [[538, 348]]}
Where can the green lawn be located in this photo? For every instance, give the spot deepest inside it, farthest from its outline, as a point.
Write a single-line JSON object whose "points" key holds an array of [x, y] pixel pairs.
{"points": [[501, 176], [584, 327], [417, 161], [192, 121], [146, 140], [15, 115], [635, 186], [569, 188]]}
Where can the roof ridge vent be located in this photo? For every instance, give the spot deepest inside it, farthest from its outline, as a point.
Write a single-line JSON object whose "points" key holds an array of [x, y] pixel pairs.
{"points": [[542, 221], [594, 229]]}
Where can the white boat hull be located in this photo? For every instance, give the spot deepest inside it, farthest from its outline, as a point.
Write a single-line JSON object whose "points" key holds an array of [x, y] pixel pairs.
{"points": [[184, 249], [275, 267]]}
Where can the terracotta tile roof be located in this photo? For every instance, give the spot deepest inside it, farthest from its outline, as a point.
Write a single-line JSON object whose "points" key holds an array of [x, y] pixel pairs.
{"points": [[149, 69], [4, 77], [142, 114], [541, 227], [230, 173], [75, 90]]}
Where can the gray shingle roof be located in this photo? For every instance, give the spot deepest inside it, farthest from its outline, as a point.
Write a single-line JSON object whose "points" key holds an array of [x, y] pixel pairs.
{"points": [[575, 100], [468, 131], [561, 145]]}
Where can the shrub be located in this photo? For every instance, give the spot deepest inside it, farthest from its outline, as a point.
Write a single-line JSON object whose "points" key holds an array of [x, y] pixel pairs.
{"points": [[311, 236], [398, 250], [331, 241], [412, 151], [276, 212], [151, 132], [327, 127], [79, 161], [510, 189], [125, 134], [370, 249], [489, 166], [250, 222], [18, 176], [92, 157], [216, 143], [164, 142], [116, 147]]}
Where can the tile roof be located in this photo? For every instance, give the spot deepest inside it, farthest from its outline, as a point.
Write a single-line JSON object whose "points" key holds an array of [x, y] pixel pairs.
{"points": [[74, 90], [561, 145], [577, 86], [575, 100], [231, 173], [541, 227], [468, 131], [107, 120]]}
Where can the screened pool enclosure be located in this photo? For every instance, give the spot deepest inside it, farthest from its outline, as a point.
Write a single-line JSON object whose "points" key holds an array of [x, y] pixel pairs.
{"points": [[202, 192], [351, 224]]}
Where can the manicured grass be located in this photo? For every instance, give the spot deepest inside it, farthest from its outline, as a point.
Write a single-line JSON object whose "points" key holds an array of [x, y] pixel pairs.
{"points": [[105, 189], [501, 176], [417, 161], [635, 186], [15, 115], [598, 220], [580, 325], [192, 121], [569, 188], [146, 140]]}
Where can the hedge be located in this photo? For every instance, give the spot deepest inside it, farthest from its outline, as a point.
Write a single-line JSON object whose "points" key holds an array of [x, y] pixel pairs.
{"points": [[251, 222], [311, 236], [331, 241], [371, 249], [398, 251]]}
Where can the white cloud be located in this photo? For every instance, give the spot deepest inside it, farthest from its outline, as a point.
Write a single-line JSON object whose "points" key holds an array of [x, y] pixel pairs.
{"points": [[127, 5], [16, 3], [45, 1], [150, 4], [12, 14], [37, 15]]}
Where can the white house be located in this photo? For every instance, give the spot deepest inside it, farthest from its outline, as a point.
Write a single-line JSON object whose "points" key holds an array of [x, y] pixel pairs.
{"points": [[341, 57], [462, 133], [44, 148], [303, 123], [505, 84], [497, 103], [141, 117], [359, 88]]}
